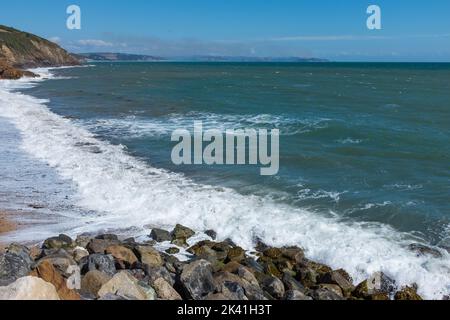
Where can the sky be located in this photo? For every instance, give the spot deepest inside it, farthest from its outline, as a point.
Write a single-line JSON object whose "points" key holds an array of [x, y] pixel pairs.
{"points": [[414, 30]]}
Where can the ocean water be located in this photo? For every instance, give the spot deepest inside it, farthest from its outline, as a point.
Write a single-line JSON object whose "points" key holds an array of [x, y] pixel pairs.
{"points": [[364, 154]]}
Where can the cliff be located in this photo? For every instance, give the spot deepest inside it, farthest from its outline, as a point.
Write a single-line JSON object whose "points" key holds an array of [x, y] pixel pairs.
{"points": [[20, 50]]}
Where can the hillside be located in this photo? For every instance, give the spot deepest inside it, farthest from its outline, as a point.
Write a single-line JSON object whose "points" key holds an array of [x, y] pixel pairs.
{"points": [[111, 56], [24, 50]]}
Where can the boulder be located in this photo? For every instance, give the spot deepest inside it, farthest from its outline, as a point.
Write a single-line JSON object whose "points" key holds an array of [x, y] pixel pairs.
{"points": [[333, 288], [294, 295], [236, 254], [149, 256], [160, 235], [173, 250], [47, 272], [378, 284], [124, 285], [182, 232], [211, 233], [21, 251], [60, 242], [109, 237], [155, 273], [92, 282], [340, 278], [197, 280], [100, 245], [232, 291], [60, 259], [13, 267], [100, 262], [165, 291], [83, 240], [124, 257], [79, 253], [29, 288], [422, 250], [408, 293], [291, 284], [274, 287], [325, 294]]}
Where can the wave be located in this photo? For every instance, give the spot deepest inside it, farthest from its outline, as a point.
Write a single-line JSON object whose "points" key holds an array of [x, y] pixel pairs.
{"points": [[138, 127], [125, 192]]}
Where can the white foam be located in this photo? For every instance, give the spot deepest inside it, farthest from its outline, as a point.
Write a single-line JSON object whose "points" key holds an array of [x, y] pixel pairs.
{"points": [[126, 192]]}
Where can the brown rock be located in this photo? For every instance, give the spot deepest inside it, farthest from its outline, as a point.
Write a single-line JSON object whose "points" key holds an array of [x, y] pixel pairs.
{"points": [[407, 293], [236, 254], [149, 256], [124, 257], [93, 281], [165, 291], [47, 272]]}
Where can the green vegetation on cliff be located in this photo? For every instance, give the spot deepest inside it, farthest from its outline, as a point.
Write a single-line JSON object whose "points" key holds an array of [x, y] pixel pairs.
{"points": [[24, 50]]}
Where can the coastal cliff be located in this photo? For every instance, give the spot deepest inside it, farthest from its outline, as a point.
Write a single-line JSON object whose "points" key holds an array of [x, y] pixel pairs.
{"points": [[21, 50]]}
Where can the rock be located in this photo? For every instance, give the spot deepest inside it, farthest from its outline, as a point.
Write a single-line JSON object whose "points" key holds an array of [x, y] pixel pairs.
{"points": [[47, 272], [79, 253], [20, 251], [113, 297], [407, 293], [13, 267], [100, 245], [173, 250], [248, 276], [197, 279], [100, 262], [29, 288], [232, 267], [232, 291], [109, 237], [61, 260], [160, 235], [60, 242], [294, 254], [216, 297], [224, 280], [236, 254], [294, 295], [422, 250], [211, 233], [273, 253], [325, 294], [291, 284], [155, 273], [340, 278], [124, 257], [181, 232], [333, 288], [181, 242], [149, 256], [165, 291], [92, 282], [83, 240], [124, 285], [274, 287], [377, 284]]}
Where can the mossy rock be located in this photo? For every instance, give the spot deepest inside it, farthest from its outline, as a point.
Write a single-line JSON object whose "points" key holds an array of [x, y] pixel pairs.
{"points": [[408, 293]]}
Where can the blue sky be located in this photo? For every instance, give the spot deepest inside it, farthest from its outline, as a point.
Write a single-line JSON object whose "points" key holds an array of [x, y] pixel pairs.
{"points": [[414, 30]]}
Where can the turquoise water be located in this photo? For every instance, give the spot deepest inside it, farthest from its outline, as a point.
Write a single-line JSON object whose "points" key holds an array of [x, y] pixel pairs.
{"points": [[364, 159], [364, 142]]}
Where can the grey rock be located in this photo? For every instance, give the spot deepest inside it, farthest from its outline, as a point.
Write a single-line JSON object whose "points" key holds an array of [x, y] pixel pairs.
{"points": [[60, 242], [12, 267], [422, 250], [291, 284], [274, 287], [324, 294], [294, 295], [100, 262], [110, 237], [197, 279], [160, 235], [212, 234]]}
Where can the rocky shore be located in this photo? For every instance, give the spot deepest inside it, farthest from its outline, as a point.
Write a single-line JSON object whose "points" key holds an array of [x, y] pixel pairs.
{"points": [[104, 267]]}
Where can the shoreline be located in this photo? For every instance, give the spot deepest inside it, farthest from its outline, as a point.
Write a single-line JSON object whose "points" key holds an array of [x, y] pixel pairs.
{"points": [[151, 269]]}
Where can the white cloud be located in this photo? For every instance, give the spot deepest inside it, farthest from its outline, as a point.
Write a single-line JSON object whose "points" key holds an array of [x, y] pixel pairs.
{"points": [[55, 39], [95, 43]]}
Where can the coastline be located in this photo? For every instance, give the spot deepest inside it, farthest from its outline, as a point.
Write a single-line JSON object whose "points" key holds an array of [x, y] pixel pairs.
{"points": [[184, 221]]}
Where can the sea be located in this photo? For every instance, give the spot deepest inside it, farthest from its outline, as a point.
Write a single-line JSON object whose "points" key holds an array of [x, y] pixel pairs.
{"points": [[364, 158]]}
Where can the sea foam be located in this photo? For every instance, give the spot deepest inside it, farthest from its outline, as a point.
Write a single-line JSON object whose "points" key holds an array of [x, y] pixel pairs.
{"points": [[123, 192]]}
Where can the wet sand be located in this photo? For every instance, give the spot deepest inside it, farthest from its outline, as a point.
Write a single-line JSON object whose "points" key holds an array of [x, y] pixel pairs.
{"points": [[6, 226]]}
